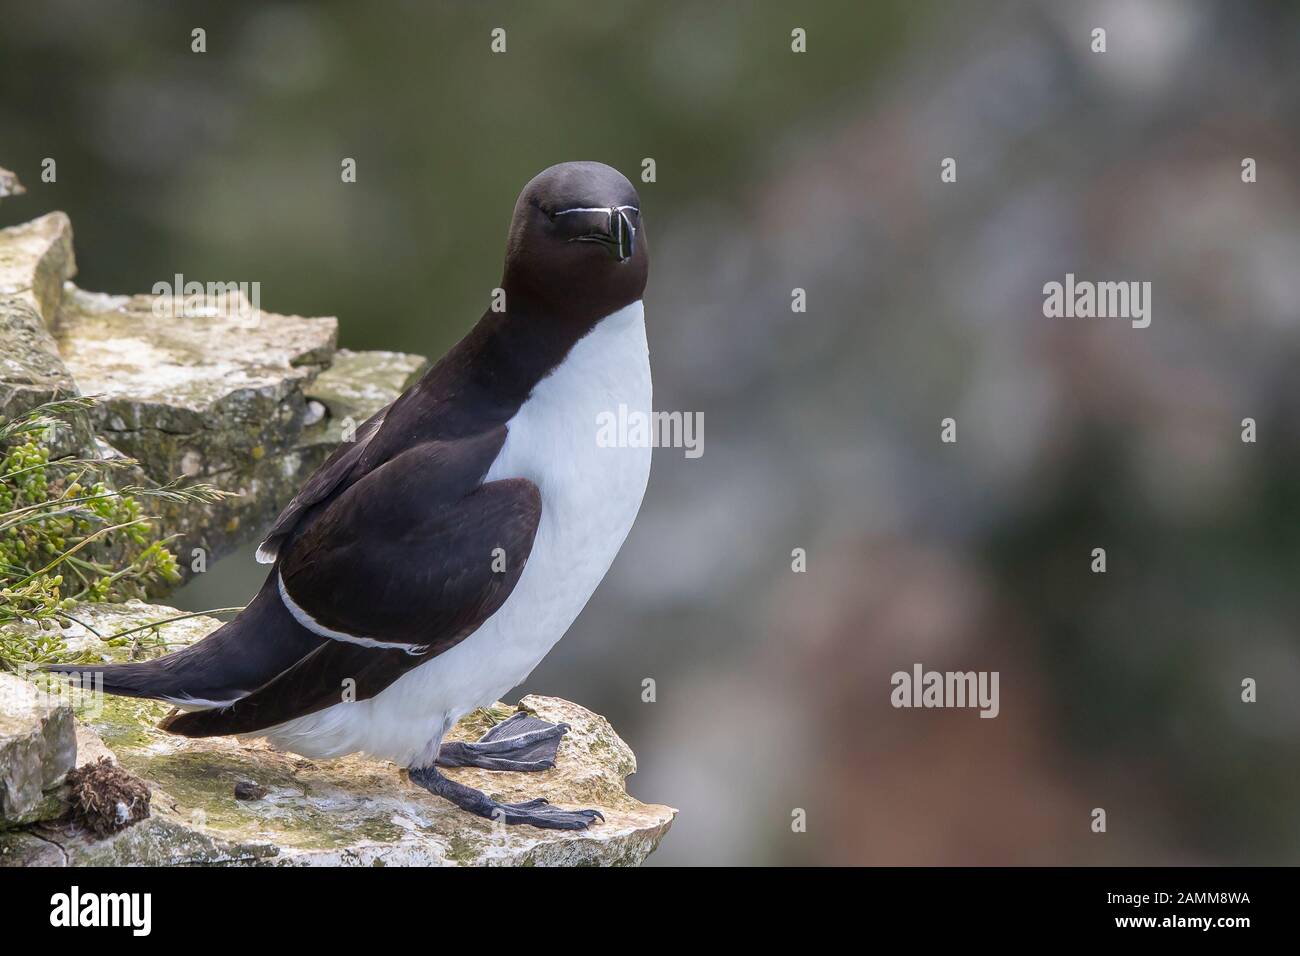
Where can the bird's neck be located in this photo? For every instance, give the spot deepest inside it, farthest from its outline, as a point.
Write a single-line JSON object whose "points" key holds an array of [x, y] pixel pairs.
{"points": [[489, 374]]}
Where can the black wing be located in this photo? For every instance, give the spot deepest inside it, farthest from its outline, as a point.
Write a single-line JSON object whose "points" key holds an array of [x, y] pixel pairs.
{"points": [[402, 565], [333, 473]]}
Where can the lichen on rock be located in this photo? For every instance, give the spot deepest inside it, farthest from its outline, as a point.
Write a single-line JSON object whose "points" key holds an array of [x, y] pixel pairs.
{"points": [[350, 811], [37, 749], [354, 387], [204, 386], [36, 258], [200, 392]]}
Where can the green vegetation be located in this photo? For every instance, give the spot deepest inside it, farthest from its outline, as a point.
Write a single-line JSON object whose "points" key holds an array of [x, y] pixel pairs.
{"points": [[68, 536]]}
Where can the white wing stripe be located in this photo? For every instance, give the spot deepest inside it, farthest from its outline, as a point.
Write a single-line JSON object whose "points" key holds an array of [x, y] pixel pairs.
{"points": [[307, 621]]}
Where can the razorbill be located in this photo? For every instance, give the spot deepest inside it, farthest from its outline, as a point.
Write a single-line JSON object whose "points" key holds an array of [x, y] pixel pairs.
{"points": [[426, 568]]}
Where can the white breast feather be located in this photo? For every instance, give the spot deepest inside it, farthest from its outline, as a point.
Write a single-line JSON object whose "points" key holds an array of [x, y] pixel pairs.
{"points": [[590, 497]]}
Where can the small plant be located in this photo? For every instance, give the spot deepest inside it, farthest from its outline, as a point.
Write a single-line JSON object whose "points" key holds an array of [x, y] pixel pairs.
{"points": [[68, 536]]}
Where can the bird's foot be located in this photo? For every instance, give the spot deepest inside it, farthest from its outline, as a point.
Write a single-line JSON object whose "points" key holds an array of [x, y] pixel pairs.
{"points": [[537, 813], [521, 742]]}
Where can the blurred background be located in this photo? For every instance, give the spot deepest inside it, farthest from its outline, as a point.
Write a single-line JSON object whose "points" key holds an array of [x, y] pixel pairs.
{"points": [[819, 170]]}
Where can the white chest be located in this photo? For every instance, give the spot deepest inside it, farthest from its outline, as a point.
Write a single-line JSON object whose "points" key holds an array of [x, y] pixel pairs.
{"points": [[590, 496], [590, 492]]}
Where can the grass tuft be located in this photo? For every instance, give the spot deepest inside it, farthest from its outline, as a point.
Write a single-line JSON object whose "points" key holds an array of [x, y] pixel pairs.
{"points": [[68, 536]]}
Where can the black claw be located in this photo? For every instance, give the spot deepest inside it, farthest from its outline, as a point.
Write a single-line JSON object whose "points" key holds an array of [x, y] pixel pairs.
{"points": [[537, 812]]}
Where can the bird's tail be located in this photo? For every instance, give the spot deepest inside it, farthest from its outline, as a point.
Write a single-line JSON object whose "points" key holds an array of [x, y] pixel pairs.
{"points": [[228, 664], [167, 678]]}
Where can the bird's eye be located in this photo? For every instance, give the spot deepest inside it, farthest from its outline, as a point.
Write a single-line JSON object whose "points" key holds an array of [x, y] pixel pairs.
{"points": [[581, 222]]}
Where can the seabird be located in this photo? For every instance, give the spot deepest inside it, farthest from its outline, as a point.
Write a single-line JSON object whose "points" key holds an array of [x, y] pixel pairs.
{"points": [[427, 567]]}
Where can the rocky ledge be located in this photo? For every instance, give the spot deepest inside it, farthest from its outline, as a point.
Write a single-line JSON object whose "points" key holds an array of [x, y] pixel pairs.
{"points": [[250, 402], [204, 386], [224, 801]]}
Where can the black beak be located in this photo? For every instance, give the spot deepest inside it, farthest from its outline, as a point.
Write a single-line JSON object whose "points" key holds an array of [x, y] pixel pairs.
{"points": [[623, 233], [619, 237]]}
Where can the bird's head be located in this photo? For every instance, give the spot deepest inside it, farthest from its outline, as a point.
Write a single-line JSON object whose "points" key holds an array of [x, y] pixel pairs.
{"points": [[577, 239]]}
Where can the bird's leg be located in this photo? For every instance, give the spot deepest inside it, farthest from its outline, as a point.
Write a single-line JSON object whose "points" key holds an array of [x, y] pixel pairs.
{"points": [[538, 813], [521, 742]]}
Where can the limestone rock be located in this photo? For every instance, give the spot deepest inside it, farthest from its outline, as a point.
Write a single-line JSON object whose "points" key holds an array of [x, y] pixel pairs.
{"points": [[354, 387], [205, 386], [31, 360], [209, 391], [25, 849], [37, 748], [351, 811], [9, 184], [205, 389], [32, 372], [36, 259]]}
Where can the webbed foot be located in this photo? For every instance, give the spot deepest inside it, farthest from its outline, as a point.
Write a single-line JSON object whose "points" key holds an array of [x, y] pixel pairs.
{"points": [[538, 813], [521, 742]]}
